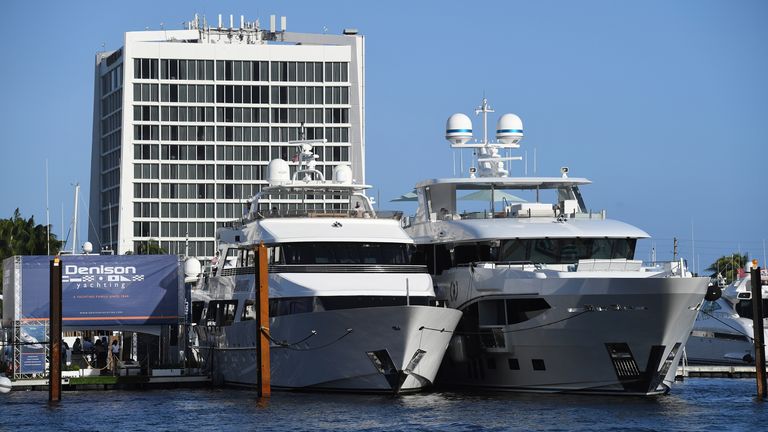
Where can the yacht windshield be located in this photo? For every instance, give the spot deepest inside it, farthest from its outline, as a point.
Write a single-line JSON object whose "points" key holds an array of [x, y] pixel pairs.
{"points": [[565, 250], [344, 253]]}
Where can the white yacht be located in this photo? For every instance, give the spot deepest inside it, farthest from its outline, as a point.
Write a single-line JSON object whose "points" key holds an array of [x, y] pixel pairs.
{"points": [[553, 297], [723, 332], [348, 311]]}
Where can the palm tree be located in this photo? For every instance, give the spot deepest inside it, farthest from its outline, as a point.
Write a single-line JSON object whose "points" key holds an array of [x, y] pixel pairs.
{"points": [[150, 247], [19, 236], [728, 266]]}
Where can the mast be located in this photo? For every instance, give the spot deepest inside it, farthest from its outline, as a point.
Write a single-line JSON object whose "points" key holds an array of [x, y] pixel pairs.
{"points": [[74, 220]]}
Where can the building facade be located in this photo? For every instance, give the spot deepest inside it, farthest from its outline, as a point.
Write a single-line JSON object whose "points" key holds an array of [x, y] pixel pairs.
{"points": [[186, 122]]}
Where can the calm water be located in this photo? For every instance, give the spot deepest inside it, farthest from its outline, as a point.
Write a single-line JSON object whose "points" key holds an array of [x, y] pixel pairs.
{"points": [[695, 405]]}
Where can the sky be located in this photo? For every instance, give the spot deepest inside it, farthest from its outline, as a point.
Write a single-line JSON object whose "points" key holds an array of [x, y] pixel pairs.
{"points": [[662, 104]]}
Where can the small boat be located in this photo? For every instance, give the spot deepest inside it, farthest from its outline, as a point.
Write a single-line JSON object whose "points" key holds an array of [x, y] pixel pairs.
{"points": [[723, 333]]}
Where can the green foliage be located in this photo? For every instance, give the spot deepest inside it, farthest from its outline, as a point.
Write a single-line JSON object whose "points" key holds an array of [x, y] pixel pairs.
{"points": [[728, 266], [19, 236], [151, 247]]}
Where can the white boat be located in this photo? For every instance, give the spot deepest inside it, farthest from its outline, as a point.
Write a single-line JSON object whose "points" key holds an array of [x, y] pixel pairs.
{"points": [[553, 297], [723, 333], [348, 310]]}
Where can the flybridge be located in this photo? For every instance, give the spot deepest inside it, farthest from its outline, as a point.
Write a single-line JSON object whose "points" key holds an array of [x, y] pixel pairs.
{"points": [[102, 269]]}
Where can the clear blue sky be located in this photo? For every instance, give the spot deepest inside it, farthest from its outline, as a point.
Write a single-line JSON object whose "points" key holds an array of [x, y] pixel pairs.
{"points": [[662, 104]]}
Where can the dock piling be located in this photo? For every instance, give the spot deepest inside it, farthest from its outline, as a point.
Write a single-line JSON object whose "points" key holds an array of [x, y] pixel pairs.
{"points": [[262, 313], [54, 332], [757, 325]]}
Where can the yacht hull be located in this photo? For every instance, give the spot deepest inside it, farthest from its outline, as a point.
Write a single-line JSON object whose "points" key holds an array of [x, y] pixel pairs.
{"points": [[380, 349], [614, 335]]}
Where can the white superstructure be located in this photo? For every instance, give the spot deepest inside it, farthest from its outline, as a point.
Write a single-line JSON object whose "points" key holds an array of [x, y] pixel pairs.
{"points": [[186, 121], [553, 297], [348, 310], [724, 332]]}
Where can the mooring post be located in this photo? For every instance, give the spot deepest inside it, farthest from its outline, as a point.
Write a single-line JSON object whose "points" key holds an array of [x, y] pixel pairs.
{"points": [[757, 325], [262, 323], [54, 332]]}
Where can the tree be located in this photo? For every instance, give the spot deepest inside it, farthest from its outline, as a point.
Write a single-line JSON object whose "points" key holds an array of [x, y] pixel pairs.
{"points": [[728, 266], [19, 236], [150, 247]]}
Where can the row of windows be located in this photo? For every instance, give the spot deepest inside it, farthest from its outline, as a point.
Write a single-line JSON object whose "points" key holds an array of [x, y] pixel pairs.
{"points": [[237, 115], [110, 199], [237, 70], [111, 141], [187, 210], [242, 94], [110, 179], [192, 190], [112, 80], [145, 190], [185, 93], [146, 210], [297, 71], [233, 94], [145, 68], [242, 115], [245, 133], [111, 122], [145, 92], [110, 160], [187, 229], [111, 102], [191, 248], [186, 69], [188, 114], [187, 190]]}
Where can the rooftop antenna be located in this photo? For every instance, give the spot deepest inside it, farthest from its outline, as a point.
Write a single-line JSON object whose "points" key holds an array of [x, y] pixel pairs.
{"points": [[484, 109]]}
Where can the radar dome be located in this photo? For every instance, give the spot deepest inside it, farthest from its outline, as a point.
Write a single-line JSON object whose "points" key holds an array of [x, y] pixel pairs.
{"points": [[342, 174], [87, 247], [458, 129], [5, 385], [509, 129], [278, 172], [192, 267]]}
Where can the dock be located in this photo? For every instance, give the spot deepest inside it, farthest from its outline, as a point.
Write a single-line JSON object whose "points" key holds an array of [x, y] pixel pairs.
{"points": [[716, 371], [109, 382]]}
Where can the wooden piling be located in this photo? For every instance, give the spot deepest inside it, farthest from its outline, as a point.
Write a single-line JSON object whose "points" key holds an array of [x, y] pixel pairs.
{"points": [[54, 332], [262, 313], [757, 325]]}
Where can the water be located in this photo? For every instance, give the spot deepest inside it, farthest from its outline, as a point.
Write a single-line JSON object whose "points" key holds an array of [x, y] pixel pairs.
{"points": [[695, 405]]}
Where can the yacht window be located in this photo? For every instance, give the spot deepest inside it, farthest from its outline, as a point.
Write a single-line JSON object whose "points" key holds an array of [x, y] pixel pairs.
{"points": [[491, 312], [566, 250], [197, 311], [730, 336], [249, 310], [355, 302], [221, 312], [346, 253], [463, 254], [744, 308], [519, 310], [231, 259]]}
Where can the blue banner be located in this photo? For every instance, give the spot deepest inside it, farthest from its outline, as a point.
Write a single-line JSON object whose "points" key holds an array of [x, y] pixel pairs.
{"points": [[105, 289]]}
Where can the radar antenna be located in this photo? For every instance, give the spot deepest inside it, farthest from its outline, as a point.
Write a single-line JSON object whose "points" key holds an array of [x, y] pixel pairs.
{"points": [[306, 158]]}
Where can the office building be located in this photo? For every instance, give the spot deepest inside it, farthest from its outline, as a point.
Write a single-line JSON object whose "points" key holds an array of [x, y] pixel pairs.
{"points": [[186, 122]]}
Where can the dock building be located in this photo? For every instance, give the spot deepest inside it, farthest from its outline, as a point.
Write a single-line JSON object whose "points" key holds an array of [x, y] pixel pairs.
{"points": [[185, 123]]}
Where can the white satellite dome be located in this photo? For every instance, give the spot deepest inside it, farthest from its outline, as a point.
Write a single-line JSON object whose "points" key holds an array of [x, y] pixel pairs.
{"points": [[192, 267], [458, 129], [342, 174], [5, 385], [509, 129], [278, 172], [87, 247]]}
